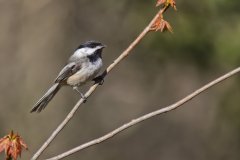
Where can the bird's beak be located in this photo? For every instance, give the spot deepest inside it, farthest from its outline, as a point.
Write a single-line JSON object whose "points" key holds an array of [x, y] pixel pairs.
{"points": [[104, 46]]}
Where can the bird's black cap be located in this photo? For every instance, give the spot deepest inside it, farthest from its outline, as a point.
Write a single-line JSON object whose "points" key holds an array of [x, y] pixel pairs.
{"points": [[90, 44]]}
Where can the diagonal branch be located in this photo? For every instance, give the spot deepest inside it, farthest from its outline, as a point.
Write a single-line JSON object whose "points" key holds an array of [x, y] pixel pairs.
{"points": [[147, 116], [93, 88]]}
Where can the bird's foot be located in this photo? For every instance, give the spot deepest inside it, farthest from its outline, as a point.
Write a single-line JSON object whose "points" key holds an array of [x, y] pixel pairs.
{"points": [[99, 80], [82, 95], [84, 99]]}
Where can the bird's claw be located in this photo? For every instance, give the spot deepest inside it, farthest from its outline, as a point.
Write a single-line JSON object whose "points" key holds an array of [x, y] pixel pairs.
{"points": [[98, 80], [84, 99], [82, 95]]}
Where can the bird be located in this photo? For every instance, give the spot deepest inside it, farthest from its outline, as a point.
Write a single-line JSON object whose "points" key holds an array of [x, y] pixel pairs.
{"points": [[82, 66]]}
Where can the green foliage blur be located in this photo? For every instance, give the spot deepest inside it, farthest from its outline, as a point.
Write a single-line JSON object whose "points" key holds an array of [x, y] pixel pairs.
{"points": [[205, 33]]}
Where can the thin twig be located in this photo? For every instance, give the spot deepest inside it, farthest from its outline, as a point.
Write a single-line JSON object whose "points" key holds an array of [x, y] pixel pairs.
{"points": [[147, 116], [92, 88]]}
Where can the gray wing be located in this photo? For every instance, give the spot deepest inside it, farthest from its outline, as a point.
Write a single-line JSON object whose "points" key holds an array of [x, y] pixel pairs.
{"points": [[67, 71]]}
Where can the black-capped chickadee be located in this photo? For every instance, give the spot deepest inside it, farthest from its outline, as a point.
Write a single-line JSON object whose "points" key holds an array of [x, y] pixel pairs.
{"points": [[82, 66]]}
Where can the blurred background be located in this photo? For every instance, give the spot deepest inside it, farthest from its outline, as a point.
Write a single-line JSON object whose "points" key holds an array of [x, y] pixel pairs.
{"points": [[37, 37]]}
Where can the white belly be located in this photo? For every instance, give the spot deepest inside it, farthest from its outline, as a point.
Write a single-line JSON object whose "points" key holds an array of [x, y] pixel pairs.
{"points": [[87, 72]]}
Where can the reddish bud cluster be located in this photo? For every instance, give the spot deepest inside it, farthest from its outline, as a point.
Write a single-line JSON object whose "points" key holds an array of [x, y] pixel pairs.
{"points": [[172, 3], [160, 23], [12, 144]]}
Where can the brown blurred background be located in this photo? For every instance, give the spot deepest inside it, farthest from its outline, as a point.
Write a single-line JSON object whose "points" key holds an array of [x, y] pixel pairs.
{"points": [[37, 37]]}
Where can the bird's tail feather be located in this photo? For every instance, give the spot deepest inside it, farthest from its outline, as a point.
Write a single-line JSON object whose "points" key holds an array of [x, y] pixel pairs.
{"points": [[42, 103]]}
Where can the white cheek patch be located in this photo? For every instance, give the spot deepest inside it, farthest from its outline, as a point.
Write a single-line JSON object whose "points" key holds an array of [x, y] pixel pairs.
{"points": [[83, 52]]}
